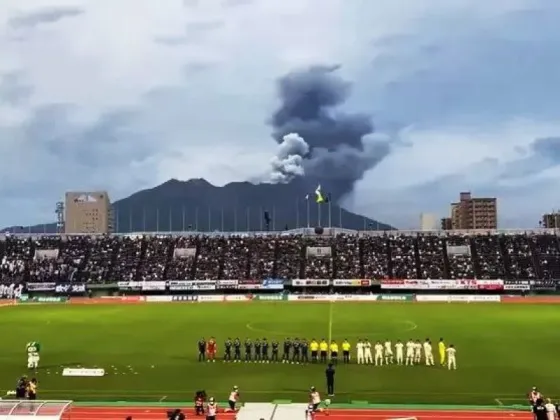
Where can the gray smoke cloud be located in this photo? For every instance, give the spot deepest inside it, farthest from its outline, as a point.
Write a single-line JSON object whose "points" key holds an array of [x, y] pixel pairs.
{"points": [[340, 147], [288, 161]]}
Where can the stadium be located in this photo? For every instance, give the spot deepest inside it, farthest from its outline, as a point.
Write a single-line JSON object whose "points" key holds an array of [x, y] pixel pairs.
{"points": [[133, 339], [269, 159]]}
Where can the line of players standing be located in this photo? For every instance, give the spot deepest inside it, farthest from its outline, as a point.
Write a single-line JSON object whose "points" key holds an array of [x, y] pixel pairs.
{"points": [[265, 351]]}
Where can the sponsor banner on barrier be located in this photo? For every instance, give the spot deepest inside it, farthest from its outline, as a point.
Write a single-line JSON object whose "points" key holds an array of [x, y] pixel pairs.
{"points": [[226, 284], [141, 285], [70, 288], [41, 287], [159, 298], [42, 299], [192, 285], [334, 298], [83, 372], [273, 284], [396, 298], [238, 298], [250, 285], [351, 282], [311, 283], [489, 284], [184, 298], [522, 286], [458, 298], [443, 284], [211, 298], [270, 297], [543, 285], [130, 299]]}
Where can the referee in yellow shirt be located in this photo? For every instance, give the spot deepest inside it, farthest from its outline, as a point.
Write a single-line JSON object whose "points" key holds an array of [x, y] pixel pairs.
{"points": [[334, 352], [441, 348], [324, 349], [314, 347], [346, 351]]}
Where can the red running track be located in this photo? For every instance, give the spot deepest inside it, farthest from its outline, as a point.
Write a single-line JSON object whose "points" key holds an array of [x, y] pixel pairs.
{"points": [[147, 413]]}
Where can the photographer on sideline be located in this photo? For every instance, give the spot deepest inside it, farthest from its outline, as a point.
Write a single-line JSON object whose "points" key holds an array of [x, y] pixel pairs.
{"points": [[176, 415]]}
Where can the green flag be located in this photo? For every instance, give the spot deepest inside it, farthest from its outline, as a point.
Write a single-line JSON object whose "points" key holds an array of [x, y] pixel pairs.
{"points": [[320, 197]]}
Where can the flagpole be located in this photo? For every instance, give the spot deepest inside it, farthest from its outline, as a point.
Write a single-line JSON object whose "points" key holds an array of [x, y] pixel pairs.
{"points": [[170, 219], [319, 214], [340, 217], [157, 219], [307, 202], [330, 211], [297, 213]]}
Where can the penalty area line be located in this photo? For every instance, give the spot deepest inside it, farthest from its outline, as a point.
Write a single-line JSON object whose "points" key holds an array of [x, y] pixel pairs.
{"points": [[499, 402], [162, 399]]}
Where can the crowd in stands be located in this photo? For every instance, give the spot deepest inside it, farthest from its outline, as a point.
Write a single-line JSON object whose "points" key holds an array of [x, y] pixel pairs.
{"points": [[95, 259]]}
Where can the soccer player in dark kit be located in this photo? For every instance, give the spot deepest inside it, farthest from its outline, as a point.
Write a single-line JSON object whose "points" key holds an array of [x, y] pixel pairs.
{"points": [[201, 350], [258, 347], [237, 350], [304, 351], [275, 345], [296, 352], [227, 350], [286, 353], [248, 350], [264, 350]]}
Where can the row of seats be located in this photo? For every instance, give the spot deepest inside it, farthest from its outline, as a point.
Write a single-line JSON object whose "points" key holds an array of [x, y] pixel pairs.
{"points": [[121, 258]]}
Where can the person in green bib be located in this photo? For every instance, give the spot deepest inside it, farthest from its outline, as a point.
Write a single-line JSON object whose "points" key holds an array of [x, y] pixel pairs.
{"points": [[33, 354]]}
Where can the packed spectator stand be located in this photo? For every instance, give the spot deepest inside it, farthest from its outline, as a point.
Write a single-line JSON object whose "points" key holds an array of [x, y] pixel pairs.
{"points": [[511, 256]]}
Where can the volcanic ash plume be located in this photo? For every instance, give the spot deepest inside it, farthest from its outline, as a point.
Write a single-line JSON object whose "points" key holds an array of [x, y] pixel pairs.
{"points": [[288, 161], [338, 145]]}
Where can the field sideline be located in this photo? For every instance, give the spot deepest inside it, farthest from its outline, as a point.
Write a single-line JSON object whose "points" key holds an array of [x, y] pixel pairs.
{"points": [[149, 350]]}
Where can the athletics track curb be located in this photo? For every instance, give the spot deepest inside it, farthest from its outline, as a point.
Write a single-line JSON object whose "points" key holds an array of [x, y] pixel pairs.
{"points": [[355, 406]]}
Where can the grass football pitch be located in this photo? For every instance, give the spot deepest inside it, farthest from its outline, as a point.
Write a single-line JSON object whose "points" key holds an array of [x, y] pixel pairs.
{"points": [[149, 351]]}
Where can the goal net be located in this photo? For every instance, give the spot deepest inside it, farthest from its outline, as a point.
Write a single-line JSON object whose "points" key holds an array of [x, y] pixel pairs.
{"points": [[40, 410]]}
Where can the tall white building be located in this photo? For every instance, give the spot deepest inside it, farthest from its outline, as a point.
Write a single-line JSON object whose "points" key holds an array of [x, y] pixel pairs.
{"points": [[428, 221]]}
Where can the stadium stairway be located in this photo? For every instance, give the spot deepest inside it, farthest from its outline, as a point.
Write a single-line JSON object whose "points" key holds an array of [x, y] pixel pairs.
{"points": [[252, 411]]}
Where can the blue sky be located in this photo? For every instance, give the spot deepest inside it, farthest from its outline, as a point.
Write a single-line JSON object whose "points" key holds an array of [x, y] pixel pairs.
{"points": [[125, 94]]}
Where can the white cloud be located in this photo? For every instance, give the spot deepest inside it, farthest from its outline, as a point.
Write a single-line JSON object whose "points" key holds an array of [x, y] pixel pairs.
{"points": [[124, 94]]}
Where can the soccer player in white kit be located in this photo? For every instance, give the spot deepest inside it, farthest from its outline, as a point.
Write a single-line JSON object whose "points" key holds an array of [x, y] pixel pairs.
{"points": [[550, 410], [428, 353], [367, 353], [388, 352], [409, 353], [399, 347], [378, 354], [451, 361], [360, 352], [417, 352]]}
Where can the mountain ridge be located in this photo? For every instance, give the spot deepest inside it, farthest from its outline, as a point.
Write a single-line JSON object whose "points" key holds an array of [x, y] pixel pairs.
{"points": [[196, 204]]}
